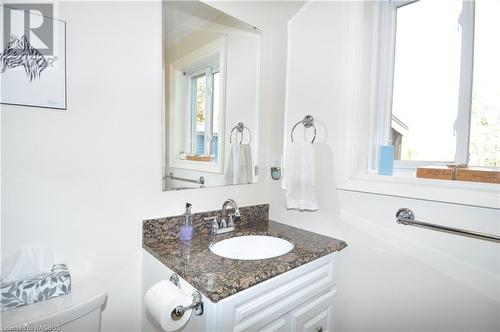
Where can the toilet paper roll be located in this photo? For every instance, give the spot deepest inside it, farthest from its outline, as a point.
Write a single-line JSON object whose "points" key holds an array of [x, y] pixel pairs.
{"points": [[161, 299]]}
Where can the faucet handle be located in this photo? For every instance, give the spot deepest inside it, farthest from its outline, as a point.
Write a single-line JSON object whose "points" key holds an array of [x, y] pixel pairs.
{"points": [[214, 226], [232, 218], [236, 216]]}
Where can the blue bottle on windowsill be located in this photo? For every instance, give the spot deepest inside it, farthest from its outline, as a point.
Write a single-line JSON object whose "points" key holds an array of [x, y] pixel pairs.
{"points": [[386, 160]]}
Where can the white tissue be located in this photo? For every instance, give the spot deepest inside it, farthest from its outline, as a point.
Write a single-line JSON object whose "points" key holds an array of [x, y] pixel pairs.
{"points": [[161, 299], [28, 262]]}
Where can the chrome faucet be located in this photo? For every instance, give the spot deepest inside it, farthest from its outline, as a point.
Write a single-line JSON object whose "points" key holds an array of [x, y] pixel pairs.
{"points": [[222, 225], [236, 215]]}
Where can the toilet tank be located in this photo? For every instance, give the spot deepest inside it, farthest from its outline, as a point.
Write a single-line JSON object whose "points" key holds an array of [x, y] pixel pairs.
{"points": [[78, 311]]}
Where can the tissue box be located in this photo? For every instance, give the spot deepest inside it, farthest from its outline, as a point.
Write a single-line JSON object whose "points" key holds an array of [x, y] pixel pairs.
{"points": [[36, 289]]}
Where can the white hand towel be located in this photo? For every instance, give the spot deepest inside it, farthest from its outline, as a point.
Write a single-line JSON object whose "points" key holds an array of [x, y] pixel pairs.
{"points": [[233, 164], [246, 164], [239, 167], [299, 178]]}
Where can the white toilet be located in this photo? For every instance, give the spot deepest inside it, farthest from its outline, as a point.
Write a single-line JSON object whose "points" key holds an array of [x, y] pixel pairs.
{"points": [[78, 311]]}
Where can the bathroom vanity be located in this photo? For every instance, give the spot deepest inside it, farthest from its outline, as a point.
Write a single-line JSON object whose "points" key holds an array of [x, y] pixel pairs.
{"points": [[291, 292]]}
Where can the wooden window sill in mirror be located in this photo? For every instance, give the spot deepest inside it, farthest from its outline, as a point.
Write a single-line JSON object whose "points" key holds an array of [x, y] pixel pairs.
{"points": [[472, 174], [198, 158]]}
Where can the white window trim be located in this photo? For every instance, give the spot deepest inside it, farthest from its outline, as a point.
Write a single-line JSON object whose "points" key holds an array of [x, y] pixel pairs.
{"points": [[462, 125], [386, 58], [208, 72], [485, 195]]}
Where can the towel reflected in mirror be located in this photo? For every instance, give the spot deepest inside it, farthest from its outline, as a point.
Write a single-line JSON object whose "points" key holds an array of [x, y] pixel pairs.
{"points": [[239, 166]]}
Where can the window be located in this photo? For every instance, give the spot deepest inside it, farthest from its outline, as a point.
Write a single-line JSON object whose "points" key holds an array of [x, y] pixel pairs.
{"points": [[441, 84], [484, 148], [195, 114], [204, 92]]}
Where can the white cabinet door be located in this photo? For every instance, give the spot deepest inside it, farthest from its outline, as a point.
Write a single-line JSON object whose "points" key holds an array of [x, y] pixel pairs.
{"points": [[261, 305], [279, 325], [316, 315]]}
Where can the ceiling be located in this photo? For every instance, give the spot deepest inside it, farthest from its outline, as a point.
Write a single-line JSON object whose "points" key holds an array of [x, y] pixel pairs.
{"points": [[184, 17]]}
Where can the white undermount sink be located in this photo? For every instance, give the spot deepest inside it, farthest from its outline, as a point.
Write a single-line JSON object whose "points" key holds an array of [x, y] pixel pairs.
{"points": [[251, 247]]}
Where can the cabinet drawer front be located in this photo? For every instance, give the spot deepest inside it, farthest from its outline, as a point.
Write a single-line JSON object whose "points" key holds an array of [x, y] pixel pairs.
{"points": [[315, 316]]}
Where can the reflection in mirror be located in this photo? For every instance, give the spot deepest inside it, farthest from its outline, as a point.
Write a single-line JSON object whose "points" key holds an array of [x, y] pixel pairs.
{"points": [[212, 73]]}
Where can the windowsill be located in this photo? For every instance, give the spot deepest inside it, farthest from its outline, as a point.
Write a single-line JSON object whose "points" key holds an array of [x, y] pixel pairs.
{"points": [[202, 166], [471, 174], [405, 184], [205, 159]]}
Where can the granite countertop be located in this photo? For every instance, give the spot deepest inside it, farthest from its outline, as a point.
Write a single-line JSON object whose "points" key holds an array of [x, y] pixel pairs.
{"points": [[217, 277]]}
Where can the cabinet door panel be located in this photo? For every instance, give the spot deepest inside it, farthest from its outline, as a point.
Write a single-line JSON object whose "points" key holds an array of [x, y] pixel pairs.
{"points": [[279, 325], [316, 315], [262, 304]]}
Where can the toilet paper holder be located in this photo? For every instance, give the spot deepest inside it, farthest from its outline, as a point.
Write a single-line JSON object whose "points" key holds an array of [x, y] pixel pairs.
{"points": [[174, 278], [196, 305]]}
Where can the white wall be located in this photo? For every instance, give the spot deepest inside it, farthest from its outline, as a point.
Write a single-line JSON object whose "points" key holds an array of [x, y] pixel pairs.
{"points": [[83, 180], [391, 277]]}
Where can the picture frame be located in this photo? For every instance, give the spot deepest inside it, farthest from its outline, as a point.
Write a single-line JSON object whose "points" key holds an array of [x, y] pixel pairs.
{"points": [[33, 60]]}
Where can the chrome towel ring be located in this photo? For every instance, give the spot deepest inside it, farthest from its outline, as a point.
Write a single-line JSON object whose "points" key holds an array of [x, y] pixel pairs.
{"points": [[240, 127], [308, 122]]}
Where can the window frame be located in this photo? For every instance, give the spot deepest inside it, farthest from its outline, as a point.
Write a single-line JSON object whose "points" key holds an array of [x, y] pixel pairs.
{"points": [[208, 72], [357, 171], [215, 51], [386, 61]]}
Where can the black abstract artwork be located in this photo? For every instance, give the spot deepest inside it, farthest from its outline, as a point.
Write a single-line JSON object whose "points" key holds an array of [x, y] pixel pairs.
{"points": [[33, 60], [20, 53]]}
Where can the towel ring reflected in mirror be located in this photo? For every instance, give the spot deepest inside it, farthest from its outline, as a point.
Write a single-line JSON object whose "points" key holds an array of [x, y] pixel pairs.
{"points": [[307, 122], [240, 128]]}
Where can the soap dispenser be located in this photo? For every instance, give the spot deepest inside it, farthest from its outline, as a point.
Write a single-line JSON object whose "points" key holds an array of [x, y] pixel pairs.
{"points": [[186, 233]]}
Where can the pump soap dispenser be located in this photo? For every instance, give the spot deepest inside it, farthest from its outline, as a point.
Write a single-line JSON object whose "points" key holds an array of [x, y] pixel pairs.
{"points": [[186, 233]]}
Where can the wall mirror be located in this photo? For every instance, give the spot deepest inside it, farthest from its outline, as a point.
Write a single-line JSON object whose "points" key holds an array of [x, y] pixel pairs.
{"points": [[211, 89]]}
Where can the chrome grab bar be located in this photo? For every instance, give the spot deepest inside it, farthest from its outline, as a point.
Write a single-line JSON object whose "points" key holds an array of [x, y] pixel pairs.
{"points": [[406, 216], [201, 180]]}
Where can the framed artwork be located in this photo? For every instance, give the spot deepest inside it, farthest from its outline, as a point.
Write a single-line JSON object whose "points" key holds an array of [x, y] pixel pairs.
{"points": [[33, 58]]}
